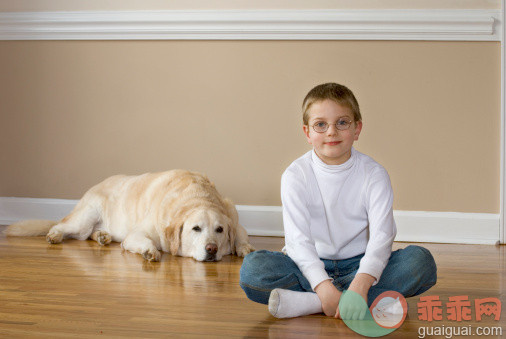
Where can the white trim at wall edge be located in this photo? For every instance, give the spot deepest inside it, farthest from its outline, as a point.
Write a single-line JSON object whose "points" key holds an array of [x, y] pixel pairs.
{"points": [[502, 229], [396, 24], [412, 226]]}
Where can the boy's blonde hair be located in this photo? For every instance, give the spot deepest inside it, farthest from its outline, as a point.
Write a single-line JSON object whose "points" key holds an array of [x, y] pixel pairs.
{"points": [[332, 91]]}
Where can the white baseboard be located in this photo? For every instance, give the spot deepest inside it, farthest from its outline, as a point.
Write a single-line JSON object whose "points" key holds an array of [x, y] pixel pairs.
{"points": [[16, 209], [261, 220], [447, 227], [412, 226]]}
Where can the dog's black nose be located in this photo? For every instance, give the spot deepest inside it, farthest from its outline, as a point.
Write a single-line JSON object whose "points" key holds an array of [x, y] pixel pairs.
{"points": [[211, 248]]}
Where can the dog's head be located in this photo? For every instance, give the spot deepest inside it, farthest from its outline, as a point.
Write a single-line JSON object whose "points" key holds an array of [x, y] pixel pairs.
{"points": [[205, 234]]}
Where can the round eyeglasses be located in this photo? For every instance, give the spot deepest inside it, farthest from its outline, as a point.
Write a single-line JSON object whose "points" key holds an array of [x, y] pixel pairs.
{"points": [[341, 124]]}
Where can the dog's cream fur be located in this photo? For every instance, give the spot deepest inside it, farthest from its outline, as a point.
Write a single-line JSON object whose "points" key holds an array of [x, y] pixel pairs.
{"points": [[178, 211]]}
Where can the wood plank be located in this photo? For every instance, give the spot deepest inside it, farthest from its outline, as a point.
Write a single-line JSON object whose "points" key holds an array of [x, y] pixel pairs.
{"points": [[79, 288]]}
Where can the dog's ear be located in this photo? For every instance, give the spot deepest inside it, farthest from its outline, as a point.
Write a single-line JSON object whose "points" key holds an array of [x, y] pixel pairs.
{"points": [[234, 220], [231, 238], [173, 236], [231, 212]]}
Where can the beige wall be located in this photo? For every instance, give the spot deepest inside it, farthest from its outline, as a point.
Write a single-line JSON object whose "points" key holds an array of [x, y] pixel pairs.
{"points": [[73, 113], [75, 5]]}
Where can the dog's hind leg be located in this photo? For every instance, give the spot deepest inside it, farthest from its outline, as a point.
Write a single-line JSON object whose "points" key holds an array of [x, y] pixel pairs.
{"points": [[138, 242], [79, 223]]}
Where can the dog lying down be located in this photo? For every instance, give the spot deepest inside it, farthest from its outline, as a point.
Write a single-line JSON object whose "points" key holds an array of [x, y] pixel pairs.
{"points": [[178, 211]]}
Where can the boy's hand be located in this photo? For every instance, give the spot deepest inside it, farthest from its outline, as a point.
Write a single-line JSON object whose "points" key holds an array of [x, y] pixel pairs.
{"points": [[360, 285], [329, 296]]}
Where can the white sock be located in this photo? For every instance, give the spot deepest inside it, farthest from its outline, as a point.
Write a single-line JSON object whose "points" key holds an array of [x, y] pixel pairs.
{"points": [[289, 304]]}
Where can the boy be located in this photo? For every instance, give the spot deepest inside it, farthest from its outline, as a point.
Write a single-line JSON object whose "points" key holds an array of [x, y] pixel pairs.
{"points": [[338, 220]]}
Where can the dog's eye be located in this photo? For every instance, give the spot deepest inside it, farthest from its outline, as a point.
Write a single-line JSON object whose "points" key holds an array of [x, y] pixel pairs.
{"points": [[196, 228], [219, 229]]}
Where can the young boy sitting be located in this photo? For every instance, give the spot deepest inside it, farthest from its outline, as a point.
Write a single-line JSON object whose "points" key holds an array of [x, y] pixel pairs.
{"points": [[338, 221]]}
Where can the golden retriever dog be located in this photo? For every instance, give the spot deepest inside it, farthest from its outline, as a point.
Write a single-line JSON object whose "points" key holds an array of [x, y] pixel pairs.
{"points": [[178, 211]]}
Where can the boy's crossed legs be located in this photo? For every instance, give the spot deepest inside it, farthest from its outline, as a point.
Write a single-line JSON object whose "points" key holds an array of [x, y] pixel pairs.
{"points": [[410, 271]]}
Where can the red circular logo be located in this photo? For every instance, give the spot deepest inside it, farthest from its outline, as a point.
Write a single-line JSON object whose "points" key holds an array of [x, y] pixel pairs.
{"points": [[389, 309]]}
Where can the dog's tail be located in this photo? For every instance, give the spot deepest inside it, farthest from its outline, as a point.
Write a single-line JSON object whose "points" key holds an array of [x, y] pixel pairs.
{"points": [[29, 228]]}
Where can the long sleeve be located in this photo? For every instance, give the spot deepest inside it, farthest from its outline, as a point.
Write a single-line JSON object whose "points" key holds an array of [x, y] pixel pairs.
{"points": [[337, 212], [382, 229], [300, 245]]}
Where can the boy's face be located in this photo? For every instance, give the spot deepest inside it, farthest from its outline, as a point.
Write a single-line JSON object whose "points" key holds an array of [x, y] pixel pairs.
{"points": [[333, 147]]}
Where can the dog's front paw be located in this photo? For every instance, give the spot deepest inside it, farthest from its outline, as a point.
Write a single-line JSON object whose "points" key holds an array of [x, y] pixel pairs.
{"points": [[54, 237], [244, 249], [103, 238], [152, 255]]}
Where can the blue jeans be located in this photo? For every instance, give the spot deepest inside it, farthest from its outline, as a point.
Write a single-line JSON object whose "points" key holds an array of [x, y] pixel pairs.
{"points": [[410, 271]]}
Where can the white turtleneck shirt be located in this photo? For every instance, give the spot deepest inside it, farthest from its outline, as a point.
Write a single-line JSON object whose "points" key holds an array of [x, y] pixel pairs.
{"points": [[337, 212]]}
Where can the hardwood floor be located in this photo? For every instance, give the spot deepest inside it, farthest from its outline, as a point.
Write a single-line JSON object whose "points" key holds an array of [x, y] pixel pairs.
{"points": [[81, 289]]}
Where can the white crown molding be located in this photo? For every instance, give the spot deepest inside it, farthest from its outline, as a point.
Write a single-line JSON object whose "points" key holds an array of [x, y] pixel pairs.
{"points": [[452, 25], [412, 226]]}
